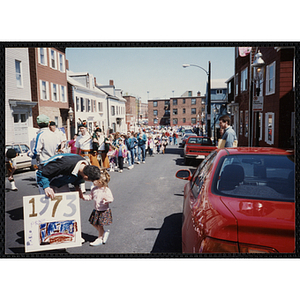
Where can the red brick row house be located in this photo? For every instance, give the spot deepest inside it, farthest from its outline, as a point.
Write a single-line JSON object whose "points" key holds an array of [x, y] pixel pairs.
{"points": [[264, 109]]}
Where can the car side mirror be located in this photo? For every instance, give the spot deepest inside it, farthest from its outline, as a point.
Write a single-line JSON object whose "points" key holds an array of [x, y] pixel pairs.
{"points": [[183, 174]]}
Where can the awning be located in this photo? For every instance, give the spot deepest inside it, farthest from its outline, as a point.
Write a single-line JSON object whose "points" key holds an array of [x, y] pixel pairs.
{"points": [[14, 102]]}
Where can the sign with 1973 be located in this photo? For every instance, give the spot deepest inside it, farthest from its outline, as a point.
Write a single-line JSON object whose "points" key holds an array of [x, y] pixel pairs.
{"points": [[52, 223]]}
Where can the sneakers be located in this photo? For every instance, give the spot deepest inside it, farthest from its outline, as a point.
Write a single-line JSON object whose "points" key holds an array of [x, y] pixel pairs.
{"points": [[144, 162], [97, 242], [138, 162], [105, 236], [130, 167], [120, 171]]}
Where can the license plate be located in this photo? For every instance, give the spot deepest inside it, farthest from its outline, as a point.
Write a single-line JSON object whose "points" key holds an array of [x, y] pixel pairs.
{"points": [[200, 156]]}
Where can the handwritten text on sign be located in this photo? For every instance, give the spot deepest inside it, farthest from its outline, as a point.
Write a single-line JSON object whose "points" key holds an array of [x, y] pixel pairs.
{"points": [[52, 223]]}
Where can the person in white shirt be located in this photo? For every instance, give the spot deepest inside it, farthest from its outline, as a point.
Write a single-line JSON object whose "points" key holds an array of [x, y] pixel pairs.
{"points": [[61, 137]]}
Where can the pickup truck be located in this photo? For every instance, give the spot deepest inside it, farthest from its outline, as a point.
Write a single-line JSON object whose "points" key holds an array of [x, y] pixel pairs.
{"points": [[197, 147]]}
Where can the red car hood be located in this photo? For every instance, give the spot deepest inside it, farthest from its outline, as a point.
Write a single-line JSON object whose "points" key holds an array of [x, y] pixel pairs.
{"points": [[264, 223]]}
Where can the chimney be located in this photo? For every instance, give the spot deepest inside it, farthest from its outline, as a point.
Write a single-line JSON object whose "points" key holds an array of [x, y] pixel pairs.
{"points": [[198, 94], [111, 82], [95, 81], [67, 64]]}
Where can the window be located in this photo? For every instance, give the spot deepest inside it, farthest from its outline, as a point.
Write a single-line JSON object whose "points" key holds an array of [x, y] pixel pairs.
{"points": [[193, 101], [63, 93], [52, 58], [184, 120], [175, 121], [246, 122], [155, 112], [88, 105], [193, 111], [244, 80], [94, 105], [269, 128], [183, 101], [100, 107], [183, 110], [236, 85], [167, 102], [18, 73], [42, 56], [61, 62], [175, 111], [155, 121], [174, 101], [241, 122], [190, 93], [77, 104], [113, 110], [82, 104], [193, 120], [218, 92], [270, 79], [23, 118], [44, 90], [229, 87], [54, 92], [56, 121], [154, 103], [16, 118]]}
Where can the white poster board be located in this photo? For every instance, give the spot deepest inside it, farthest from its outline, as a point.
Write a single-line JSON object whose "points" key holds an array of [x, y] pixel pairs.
{"points": [[51, 223]]}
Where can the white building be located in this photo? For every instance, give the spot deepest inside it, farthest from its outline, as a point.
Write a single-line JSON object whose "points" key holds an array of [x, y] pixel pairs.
{"points": [[116, 110], [18, 104], [90, 103]]}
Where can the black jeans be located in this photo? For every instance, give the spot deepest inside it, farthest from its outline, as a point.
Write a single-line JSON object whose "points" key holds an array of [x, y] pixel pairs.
{"points": [[120, 162]]}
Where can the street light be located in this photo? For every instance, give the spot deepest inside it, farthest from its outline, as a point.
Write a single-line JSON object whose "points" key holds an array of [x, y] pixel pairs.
{"points": [[208, 73], [257, 66]]}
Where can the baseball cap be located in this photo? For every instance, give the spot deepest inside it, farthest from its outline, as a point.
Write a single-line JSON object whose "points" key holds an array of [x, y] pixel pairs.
{"points": [[42, 119]]}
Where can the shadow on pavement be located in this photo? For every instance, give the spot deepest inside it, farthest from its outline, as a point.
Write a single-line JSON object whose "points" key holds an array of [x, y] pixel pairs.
{"points": [[16, 214], [169, 237]]}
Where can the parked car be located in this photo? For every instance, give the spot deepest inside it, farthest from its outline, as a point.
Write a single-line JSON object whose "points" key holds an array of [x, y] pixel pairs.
{"points": [[240, 200], [22, 159], [197, 148], [185, 137]]}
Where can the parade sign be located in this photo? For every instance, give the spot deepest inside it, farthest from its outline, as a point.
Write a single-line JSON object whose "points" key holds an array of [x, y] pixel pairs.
{"points": [[52, 223]]}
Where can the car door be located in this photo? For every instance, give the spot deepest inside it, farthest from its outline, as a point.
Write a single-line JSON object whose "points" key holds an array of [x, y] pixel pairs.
{"points": [[191, 228]]}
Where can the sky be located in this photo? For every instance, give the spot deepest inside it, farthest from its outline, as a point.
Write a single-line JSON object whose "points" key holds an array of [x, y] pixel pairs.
{"points": [[159, 71]]}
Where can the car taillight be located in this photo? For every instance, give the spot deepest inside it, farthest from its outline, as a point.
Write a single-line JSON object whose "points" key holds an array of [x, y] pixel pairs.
{"points": [[211, 245], [244, 248]]}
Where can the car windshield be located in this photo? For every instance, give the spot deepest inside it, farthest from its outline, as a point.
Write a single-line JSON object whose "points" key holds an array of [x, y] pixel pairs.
{"points": [[269, 177], [200, 140]]}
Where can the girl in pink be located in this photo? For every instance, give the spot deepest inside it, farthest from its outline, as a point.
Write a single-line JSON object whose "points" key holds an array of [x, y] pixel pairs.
{"points": [[101, 215]]}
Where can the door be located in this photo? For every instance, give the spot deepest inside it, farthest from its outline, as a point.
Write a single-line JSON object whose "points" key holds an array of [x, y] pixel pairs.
{"points": [[20, 127]]}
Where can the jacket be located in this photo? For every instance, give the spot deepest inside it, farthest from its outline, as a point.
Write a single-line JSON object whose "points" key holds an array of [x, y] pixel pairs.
{"points": [[142, 141], [59, 171]]}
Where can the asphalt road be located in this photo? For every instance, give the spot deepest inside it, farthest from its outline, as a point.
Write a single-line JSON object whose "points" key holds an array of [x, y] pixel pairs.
{"points": [[147, 211]]}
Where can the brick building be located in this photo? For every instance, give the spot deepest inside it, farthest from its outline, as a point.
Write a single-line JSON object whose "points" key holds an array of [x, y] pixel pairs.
{"points": [[49, 84], [266, 116], [186, 110]]}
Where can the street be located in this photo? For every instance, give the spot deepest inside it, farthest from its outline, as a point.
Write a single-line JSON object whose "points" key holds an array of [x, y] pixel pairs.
{"points": [[147, 210]]}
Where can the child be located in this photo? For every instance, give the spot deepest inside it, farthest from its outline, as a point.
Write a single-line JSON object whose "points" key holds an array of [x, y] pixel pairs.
{"points": [[101, 215], [121, 153]]}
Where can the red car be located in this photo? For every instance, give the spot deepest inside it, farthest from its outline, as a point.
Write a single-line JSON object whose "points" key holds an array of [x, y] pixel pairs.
{"points": [[240, 200]]}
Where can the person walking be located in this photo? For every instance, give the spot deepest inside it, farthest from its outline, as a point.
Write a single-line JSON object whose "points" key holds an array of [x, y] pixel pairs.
{"points": [[142, 140], [101, 214], [10, 163], [46, 142], [229, 138], [60, 136], [150, 144], [84, 145]]}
